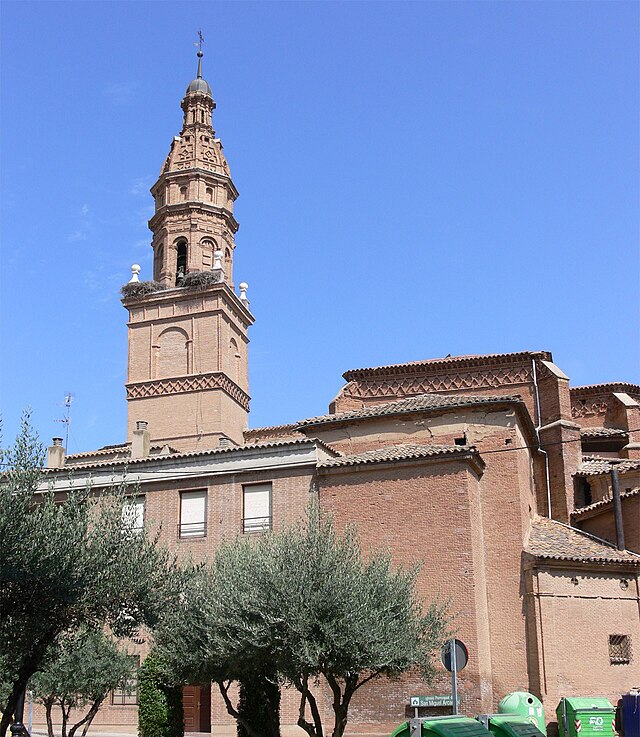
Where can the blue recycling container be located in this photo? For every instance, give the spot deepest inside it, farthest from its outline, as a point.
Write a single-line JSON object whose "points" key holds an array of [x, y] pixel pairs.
{"points": [[631, 714]]}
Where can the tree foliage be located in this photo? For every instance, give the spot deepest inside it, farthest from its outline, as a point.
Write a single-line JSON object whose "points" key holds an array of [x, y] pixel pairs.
{"points": [[83, 666], [67, 565], [160, 712], [305, 604]]}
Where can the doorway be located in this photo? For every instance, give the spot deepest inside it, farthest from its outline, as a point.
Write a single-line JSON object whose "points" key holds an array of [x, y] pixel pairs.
{"points": [[196, 702]]}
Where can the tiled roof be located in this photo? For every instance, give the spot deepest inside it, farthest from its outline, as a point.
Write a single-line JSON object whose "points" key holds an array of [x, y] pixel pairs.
{"points": [[271, 428], [194, 454], [619, 386], [447, 361], [423, 402], [593, 466], [555, 540], [398, 453], [114, 450], [579, 513], [602, 432]]}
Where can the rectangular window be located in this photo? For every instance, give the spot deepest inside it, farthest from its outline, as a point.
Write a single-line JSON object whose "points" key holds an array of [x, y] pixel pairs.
{"points": [[619, 649], [256, 514], [133, 513], [193, 511], [127, 695]]}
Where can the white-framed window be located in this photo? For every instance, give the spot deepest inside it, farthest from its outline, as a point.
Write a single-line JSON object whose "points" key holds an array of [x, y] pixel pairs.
{"points": [[133, 513], [127, 694], [193, 513], [256, 507]]}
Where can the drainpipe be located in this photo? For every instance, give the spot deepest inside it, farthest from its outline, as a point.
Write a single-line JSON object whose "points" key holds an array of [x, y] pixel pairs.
{"points": [[538, 426], [617, 508]]}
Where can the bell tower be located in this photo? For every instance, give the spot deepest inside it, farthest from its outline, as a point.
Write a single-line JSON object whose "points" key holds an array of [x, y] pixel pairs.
{"points": [[188, 357]]}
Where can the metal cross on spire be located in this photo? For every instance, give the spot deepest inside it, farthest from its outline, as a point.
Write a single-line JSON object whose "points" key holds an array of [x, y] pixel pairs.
{"points": [[199, 54]]}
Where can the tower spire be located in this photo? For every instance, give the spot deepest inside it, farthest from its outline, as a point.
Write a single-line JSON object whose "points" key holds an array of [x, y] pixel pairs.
{"points": [[200, 54]]}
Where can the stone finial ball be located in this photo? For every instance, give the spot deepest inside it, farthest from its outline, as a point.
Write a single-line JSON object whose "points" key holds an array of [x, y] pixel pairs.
{"points": [[135, 268], [244, 286]]}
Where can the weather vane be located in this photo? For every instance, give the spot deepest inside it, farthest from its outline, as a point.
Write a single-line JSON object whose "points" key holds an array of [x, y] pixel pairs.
{"points": [[200, 42]]}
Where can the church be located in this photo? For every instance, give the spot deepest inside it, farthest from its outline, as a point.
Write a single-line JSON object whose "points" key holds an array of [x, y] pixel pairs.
{"points": [[517, 493]]}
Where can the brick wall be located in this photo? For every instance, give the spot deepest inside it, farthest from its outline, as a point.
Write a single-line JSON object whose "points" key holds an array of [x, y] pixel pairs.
{"points": [[577, 609]]}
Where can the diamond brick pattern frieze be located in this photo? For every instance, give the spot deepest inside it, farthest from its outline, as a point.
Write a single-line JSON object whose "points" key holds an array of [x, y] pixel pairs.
{"points": [[196, 383], [407, 385]]}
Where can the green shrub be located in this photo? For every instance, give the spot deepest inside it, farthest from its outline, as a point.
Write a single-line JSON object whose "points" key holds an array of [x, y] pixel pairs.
{"points": [[160, 712], [259, 704], [140, 288]]}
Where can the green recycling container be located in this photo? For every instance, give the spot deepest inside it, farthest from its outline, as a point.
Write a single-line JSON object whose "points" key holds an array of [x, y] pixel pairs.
{"points": [[509, 725], [586, 717], [448, 726], [525, 705]]}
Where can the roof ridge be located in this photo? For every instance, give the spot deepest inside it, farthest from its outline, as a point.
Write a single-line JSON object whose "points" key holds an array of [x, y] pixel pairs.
{"points": [[194, 453], [606, 384], [441, 401], [472, 358]]}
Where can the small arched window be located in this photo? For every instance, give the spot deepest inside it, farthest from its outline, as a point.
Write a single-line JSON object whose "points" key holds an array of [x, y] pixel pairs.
{"points": [[183, 193], [158, 261], [181, 261], [209, 194]]}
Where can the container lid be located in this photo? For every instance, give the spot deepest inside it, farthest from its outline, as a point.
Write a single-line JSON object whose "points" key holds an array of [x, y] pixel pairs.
{"points": [[586, 703], [462, 727], [508, 725]]}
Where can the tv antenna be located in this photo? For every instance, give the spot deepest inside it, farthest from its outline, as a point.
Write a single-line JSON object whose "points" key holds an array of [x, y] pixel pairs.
{"points": [[66, 420]]}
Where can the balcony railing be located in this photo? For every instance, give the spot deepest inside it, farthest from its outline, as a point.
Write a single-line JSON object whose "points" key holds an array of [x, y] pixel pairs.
{"points": [[256, 524], [192, 529]]}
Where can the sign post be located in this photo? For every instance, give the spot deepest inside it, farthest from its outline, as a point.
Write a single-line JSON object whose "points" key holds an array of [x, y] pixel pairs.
{"points": [[454, 656], [454, 677]]}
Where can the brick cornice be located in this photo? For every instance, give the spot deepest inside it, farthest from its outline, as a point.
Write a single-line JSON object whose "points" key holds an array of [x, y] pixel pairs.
{"points": [[455, 378], [199, 172], [184, 384], [448, 364], [193, 206], [182, 294]]}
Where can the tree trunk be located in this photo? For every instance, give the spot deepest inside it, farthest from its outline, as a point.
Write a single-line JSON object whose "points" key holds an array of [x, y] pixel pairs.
{"points": [[28, 668], [48, 706], [88, 718], [341, 702], [65, 718], [315, 729]]}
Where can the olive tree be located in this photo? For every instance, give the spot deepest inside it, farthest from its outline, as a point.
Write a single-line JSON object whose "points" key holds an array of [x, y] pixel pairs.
{"points": [[66, 565], [82, 667], [308, 605]]}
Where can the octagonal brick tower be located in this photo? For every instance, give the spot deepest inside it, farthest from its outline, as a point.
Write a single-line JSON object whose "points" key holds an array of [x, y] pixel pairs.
{"points": [[188, 357]]}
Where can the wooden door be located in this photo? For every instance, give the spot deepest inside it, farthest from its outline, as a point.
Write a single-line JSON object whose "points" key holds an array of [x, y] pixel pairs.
{"points": [[196, 702], [191, 706]]}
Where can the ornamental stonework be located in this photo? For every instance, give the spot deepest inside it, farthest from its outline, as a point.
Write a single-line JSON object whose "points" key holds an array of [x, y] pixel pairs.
{"points": [[197, 383], [468, 380], [588, 407]]}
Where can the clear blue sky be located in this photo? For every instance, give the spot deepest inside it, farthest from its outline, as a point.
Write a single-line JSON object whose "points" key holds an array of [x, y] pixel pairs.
{"points": [[416, 179]]}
